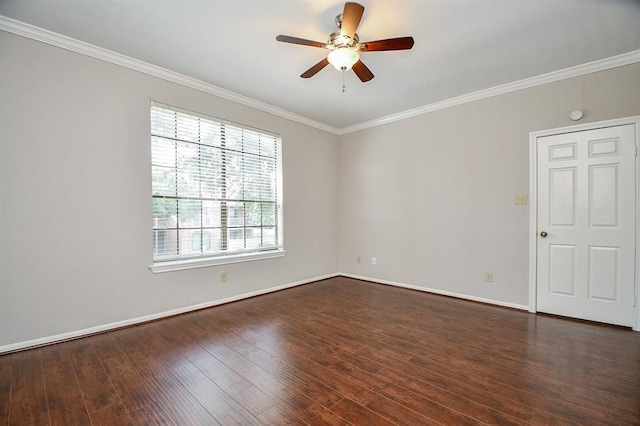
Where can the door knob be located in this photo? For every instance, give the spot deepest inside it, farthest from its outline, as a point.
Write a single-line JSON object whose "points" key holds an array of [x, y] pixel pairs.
{"points": [[543, 234]]}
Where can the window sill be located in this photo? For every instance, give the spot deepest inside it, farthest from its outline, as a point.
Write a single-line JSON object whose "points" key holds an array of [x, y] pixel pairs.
{"points": [[179, 265]]}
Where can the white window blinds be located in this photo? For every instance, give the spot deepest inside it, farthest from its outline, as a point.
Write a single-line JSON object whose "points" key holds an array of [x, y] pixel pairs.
{"points": [[216, 186]]}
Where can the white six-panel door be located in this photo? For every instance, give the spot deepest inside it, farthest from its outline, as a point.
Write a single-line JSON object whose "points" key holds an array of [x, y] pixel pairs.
{"points": [[586, 224]]}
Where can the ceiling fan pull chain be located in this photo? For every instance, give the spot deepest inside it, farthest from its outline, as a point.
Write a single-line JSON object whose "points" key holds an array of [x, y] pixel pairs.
{"points": [[344, 87]]}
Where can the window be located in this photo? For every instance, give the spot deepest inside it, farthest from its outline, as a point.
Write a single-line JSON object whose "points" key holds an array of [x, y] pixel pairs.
{"points": [[216, 190]]}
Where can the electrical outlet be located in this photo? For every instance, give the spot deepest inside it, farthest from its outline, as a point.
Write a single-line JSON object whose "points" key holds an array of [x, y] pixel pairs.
{"points": [[358, 260], [223, 277], [374, 261], [488, 277]]}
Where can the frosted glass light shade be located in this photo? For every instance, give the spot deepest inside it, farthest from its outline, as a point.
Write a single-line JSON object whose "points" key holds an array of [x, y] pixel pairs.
{"points": [[343, 58]]}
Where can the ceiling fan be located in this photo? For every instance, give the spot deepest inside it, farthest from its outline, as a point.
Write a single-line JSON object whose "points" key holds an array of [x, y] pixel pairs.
{"points": [[345, 46]]}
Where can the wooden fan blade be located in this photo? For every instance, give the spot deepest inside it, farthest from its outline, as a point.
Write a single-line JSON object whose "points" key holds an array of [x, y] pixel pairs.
{"points": [[400, 43], [296, 40], [314, 69], [363, 73], [351, 17]]}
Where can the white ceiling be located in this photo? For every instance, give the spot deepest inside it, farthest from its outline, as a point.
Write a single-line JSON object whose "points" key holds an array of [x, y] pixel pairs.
{"points": [[461, 46]]}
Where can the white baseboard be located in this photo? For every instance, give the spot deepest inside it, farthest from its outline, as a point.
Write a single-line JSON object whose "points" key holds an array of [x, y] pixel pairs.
{"points": [[139, 320], [146, 318], [436, 291]]}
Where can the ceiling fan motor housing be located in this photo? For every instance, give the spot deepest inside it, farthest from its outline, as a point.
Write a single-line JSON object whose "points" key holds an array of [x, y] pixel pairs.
{"points": [[338, 39]]}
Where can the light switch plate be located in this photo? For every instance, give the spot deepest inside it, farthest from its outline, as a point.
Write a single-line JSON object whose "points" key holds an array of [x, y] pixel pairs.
{"points": [[520, 199]]}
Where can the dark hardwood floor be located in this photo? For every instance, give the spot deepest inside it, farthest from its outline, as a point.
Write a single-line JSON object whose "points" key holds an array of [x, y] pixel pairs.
{"points": [[339, 351]]}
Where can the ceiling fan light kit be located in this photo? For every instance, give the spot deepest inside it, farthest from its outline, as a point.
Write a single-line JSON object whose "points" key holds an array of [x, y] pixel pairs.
{"points": [[345, 47], [343, 58]]}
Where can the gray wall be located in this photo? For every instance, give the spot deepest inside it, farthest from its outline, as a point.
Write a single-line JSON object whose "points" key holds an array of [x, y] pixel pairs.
{"points": [[75, 185], [432, 196]]}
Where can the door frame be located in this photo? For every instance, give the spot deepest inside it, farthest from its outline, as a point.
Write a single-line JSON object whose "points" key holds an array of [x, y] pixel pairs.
{"points": [[533, 205]]}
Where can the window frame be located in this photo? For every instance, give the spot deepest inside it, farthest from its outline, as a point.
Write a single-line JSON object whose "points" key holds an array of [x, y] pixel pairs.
{"points": [[182, 261]]}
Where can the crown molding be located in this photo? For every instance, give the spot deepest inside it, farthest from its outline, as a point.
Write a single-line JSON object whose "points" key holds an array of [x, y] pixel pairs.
{"points": [[49, 37], [576, 71], [68, 43]]}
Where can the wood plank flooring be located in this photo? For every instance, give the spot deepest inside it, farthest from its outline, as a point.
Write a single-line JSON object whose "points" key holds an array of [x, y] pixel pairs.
{"points": [[335, 352]]}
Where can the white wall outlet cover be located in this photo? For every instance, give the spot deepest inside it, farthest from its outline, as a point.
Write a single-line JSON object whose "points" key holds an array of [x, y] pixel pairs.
{"points": [[576, 115]]}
